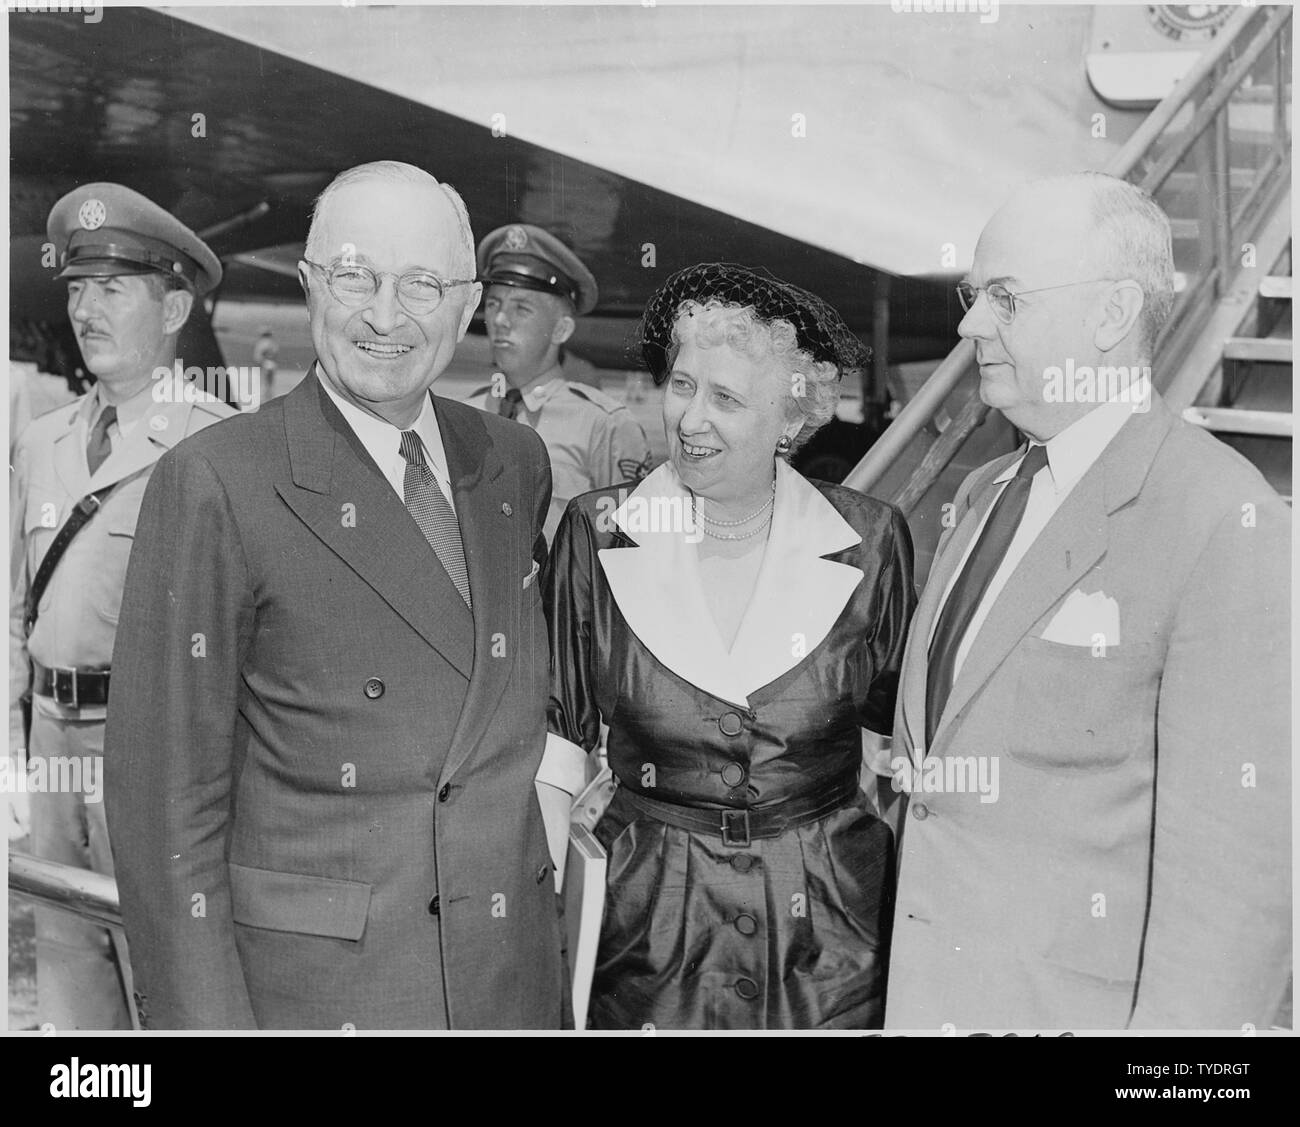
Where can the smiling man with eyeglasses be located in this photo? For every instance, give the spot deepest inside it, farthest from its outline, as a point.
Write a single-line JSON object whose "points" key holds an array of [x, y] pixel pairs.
{"points": [[1105, 630], [329, 729]]}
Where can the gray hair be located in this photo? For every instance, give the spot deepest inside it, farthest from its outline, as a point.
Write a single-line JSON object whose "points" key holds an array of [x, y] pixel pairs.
{"points": [[394, 171], [814, 384], [1134, 240]]}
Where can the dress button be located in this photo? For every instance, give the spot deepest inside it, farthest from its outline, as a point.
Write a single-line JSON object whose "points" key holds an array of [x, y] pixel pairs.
{"points": [[920, 811], [374, 688], [733, 774], [742, 862], [747, 988], [746, 925], [730, 724], [434, 907], [541, 873], [445, 793]]}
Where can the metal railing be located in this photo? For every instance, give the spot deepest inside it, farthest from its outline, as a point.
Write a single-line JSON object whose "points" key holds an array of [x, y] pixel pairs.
{"points": [[1194, 123], [92, 896]]}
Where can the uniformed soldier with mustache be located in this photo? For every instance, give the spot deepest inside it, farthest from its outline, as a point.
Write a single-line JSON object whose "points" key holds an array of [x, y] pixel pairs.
{"points": [[133, 273]]}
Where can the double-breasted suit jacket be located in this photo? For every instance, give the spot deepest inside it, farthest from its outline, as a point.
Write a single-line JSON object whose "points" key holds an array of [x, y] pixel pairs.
{"points": [[323, 805], [1131, 684]]}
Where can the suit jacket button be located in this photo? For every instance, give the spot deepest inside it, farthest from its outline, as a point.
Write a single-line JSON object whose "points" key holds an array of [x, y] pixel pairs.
{"points": [[445, 792], [747, 988], [746, 924], [730, 724], [374, 688], [733, 774], [541, 873], [920, 811]]}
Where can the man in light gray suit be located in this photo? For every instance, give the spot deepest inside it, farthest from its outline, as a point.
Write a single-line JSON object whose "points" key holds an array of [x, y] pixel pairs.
{"points": [[1104, 634]]}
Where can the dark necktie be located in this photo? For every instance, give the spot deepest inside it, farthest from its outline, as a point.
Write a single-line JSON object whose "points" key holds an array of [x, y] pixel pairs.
{"points": [[433, 513], [511, 402], [964, 598], [98, 447]]}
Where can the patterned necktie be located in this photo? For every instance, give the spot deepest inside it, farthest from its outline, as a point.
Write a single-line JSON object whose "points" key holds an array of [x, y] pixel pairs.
{"points": [[98, 447], [432, 512], [510, 404], [964, 598]]}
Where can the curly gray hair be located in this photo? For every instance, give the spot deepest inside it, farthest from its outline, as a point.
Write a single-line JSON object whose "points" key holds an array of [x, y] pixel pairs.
{"points": [[814, 384]]}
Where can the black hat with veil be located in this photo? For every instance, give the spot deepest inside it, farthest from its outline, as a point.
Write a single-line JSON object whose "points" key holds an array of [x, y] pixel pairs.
{"points": [[819, 329]]}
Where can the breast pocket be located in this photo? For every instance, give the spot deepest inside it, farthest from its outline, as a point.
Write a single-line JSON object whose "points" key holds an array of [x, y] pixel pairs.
{"points": [[1076, 709], [111, 544]]}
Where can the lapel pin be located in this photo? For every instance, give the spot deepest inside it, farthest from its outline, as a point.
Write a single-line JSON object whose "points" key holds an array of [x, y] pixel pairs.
{"points": [[507, 508], [158, 422]]}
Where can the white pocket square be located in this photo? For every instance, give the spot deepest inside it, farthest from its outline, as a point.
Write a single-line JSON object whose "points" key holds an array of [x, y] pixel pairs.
{"points": [[1085, 620], [528, 580]]}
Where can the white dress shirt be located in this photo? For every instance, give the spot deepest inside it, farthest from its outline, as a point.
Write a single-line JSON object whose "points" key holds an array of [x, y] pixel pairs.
{"points": [[383, 442], [1070, 455]]}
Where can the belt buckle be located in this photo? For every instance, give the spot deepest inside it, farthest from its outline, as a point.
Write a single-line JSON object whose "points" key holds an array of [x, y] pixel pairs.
{"points": [[735, 827], [65, 686]]}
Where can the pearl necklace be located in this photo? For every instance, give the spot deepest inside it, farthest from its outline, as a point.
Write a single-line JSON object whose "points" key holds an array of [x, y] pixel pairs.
{"points": [[699, 517], [771, 497]]}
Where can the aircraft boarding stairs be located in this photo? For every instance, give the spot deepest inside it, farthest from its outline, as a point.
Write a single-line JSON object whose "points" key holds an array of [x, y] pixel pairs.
{"points": [[1216, 155]]}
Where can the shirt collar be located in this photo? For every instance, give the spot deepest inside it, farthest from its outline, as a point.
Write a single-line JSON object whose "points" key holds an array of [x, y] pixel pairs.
{"points": [[1072, 453], [382, 440], [546, 387], [129, 412]]}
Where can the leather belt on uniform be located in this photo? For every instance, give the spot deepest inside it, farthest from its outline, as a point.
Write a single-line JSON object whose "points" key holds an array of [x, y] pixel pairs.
{"points": [[740, 826], [72, 687]]}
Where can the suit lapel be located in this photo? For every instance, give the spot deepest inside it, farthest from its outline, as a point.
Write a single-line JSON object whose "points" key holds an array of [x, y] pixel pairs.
{"points": [[1073, 540], [341, 495], [485, 495], [947, 556]]}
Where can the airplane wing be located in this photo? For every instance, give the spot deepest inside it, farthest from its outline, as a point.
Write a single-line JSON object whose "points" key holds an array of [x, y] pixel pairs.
{"points": [[838, 145]]}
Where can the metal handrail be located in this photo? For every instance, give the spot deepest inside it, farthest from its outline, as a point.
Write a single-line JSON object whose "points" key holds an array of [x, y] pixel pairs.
{"points": [[919, 412], [93, 896]]}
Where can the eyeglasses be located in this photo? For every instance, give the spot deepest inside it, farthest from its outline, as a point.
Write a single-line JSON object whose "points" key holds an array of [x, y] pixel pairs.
{"points": [[1002, 301], [419, 292]]}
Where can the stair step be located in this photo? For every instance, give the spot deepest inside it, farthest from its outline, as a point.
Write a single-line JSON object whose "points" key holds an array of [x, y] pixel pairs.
{"points": [[1276, 288], [1233, 420], [1268, 350]]}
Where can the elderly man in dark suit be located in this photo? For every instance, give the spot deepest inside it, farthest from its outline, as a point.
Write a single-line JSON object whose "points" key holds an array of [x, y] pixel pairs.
{"points": [[330, 677]]}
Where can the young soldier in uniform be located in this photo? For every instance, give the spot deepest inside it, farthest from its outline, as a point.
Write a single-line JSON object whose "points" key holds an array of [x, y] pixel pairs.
{"points": [[536, 287], [133, 274]]}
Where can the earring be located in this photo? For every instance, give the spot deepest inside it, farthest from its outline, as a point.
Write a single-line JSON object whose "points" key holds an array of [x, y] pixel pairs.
{"points": [[783, 445]]}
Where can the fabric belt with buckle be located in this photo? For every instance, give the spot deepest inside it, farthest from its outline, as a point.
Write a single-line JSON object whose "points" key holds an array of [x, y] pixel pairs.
{"points": [[71, 687], [741, 826]]}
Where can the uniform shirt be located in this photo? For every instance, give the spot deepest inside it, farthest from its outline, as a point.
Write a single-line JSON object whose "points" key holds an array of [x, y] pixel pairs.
{"points": [[77, 621], [1070, 455], [592, 439], [383, 442]]}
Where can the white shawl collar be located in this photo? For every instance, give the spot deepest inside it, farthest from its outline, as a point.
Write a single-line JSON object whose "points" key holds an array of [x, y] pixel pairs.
{"points": [[797, 597]]}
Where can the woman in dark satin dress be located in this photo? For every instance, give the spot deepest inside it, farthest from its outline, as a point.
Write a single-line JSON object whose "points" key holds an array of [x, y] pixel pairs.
{"points": [[737, 627]]}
